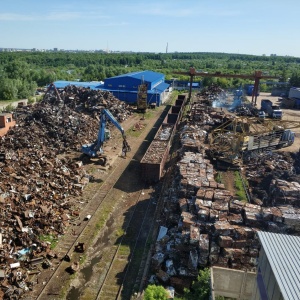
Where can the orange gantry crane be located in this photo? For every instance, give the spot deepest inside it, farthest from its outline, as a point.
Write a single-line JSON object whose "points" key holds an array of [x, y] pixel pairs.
{"points": [[256, 77]]}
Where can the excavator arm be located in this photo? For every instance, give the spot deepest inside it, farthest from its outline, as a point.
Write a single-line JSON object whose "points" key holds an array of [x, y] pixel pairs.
{"points": [[94, 149], [50, 87]]}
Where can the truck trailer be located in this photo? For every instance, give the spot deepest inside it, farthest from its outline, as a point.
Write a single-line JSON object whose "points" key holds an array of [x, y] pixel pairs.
{"points": [[276, 139]]}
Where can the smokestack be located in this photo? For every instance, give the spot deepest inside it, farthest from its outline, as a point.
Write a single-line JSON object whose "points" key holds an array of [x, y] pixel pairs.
{"points": [[167, 48]]}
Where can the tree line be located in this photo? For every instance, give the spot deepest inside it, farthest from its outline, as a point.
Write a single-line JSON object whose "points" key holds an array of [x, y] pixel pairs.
{"points": [[22, 72]]}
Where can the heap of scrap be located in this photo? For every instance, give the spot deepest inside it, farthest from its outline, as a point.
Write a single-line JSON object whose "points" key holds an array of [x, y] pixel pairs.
{"points": [[39, 183], [87, 100], [203, 224]]}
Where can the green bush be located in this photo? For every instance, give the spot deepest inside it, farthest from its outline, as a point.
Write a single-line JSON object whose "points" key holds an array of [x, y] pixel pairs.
{"points": [[155, 292], [200, 289]]}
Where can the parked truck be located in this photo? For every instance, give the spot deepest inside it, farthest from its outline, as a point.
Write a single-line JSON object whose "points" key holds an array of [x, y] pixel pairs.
{"points": [[273, 111]]}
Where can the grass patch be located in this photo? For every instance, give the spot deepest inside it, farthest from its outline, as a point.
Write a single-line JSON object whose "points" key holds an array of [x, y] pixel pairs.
{"points": [[7, 102], [148, 114], [219, 178], [50, 238], [240, 192], [124, 250], [82, 259], [105, 212], [119, 232], [133, 132]]}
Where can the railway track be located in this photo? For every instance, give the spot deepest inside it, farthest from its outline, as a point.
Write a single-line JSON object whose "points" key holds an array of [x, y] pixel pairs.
{"points": [[121, 275], [125, 257], [83, 230]]}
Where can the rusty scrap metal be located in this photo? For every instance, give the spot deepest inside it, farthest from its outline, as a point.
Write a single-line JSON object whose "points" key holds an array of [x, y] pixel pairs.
{"points": [[206, 220], [39, 180]]}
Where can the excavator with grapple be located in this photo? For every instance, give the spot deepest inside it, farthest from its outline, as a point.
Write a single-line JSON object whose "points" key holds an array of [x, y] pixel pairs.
{"points": [[95, 149]]}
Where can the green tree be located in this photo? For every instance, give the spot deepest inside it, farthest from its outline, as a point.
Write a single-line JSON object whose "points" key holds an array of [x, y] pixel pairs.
{"points": [[295, 80], [155, 292], [200, 289], [263, 87], [17, 70], [223, 82], [8, 89], [208, 81]]}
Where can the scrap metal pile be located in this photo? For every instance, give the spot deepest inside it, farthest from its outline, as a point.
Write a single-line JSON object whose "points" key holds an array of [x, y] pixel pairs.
{"points": [[210, 94], [202, 223], [38, 185], [84, 99], [275, 178]]}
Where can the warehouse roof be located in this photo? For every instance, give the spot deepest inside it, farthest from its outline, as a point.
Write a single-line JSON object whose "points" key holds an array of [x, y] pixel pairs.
{"points": [[283, 254], [60, 84], [159, 88], [146, 75]]}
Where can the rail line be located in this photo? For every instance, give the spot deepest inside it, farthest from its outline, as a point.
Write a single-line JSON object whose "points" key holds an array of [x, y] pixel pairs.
{"points": [[123, 262], [50, 288], [69, 241]]}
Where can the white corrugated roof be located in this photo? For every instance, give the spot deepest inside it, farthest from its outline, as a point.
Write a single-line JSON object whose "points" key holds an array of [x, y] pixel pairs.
{"points": [[283, 252]]}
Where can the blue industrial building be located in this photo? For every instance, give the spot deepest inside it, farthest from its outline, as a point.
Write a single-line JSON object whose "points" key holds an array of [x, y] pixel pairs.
{"points": [[125, 87]]}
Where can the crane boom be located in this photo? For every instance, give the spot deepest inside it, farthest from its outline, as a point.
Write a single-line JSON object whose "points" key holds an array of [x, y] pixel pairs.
{"points": [[95, 149], [52, 85]]}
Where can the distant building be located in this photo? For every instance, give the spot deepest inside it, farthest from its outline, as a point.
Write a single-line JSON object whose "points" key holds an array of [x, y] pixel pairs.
{"points": [[125, 87]]}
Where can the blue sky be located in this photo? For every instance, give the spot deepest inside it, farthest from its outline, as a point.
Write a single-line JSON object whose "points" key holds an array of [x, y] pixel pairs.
{"points": [[229, 26]]}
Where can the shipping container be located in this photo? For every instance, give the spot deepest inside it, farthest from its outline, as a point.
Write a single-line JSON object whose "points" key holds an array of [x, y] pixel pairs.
{"points": [[294, 92]]}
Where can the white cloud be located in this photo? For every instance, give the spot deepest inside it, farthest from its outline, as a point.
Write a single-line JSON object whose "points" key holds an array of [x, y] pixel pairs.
{"points": [[52, 16]]}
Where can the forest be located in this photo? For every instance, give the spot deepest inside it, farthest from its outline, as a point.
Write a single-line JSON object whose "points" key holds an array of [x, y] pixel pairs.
{"points": [[21, 73]]}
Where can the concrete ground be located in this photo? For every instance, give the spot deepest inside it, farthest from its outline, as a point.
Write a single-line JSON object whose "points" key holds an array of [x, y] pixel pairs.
{"points": [[288, 114]]}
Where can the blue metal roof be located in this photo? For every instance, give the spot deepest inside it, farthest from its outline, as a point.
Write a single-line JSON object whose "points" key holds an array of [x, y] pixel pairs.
{"points": [[159, 88], [146, 75], [60, 84], [283, 253]]}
